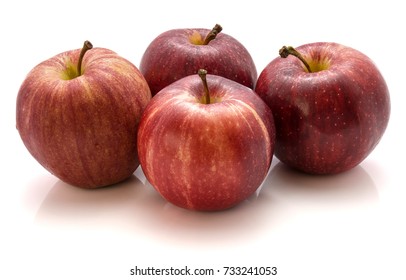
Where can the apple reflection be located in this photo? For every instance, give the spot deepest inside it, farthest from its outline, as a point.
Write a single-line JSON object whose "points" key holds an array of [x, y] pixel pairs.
{"points": [[346, 190], [134, 209], [67, 206]]}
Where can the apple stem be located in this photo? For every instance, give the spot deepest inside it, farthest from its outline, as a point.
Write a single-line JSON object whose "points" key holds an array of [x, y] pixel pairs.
{"points": [[285, 51], [202, 74], [212, 34], [86, 46]]}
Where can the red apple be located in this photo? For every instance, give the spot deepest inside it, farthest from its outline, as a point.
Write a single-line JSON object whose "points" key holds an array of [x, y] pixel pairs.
{"points": [[78, 116], [206, 147], [178, 53], [330, 118]]}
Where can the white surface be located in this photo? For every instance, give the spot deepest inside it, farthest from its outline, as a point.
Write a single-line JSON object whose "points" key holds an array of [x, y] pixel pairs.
{"points": [[349, 226]]}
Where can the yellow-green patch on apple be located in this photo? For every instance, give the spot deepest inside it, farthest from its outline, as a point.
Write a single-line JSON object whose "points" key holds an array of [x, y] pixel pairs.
{"points": [[196, 38]]}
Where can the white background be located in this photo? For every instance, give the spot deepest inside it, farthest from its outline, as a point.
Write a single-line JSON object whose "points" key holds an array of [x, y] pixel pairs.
{"points": [[349, 226]]}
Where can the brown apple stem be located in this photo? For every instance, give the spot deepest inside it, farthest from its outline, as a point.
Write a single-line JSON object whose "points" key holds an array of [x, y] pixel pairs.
{"points": [[212, 34], [86, 46], [285, 51], [202, 74]]}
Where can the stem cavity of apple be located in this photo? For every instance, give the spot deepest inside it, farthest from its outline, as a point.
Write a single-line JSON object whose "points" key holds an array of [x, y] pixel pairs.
{"points": [[212, 34], [86, 46], [285, 51], [202, 74]]}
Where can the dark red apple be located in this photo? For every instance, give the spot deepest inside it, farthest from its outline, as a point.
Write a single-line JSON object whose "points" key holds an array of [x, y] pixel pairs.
{"points": [[78, 115], [329, 114], [206, 147], [178, 53]]}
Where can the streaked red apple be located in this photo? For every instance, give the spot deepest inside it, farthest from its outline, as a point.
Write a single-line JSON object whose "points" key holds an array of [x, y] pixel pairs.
{"points": [[331, 106], [78, 115], [206, 144], [177, 53]]}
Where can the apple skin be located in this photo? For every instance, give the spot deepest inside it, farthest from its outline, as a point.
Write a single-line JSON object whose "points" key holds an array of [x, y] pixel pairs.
{"points": [[172, 56], [83, 130], [326, 121], [206, 157]]}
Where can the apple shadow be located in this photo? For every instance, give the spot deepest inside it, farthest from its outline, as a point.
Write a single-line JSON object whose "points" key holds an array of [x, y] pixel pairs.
{"points": [[69, 206], [134, 208], [347, 191], [238, 225]]}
